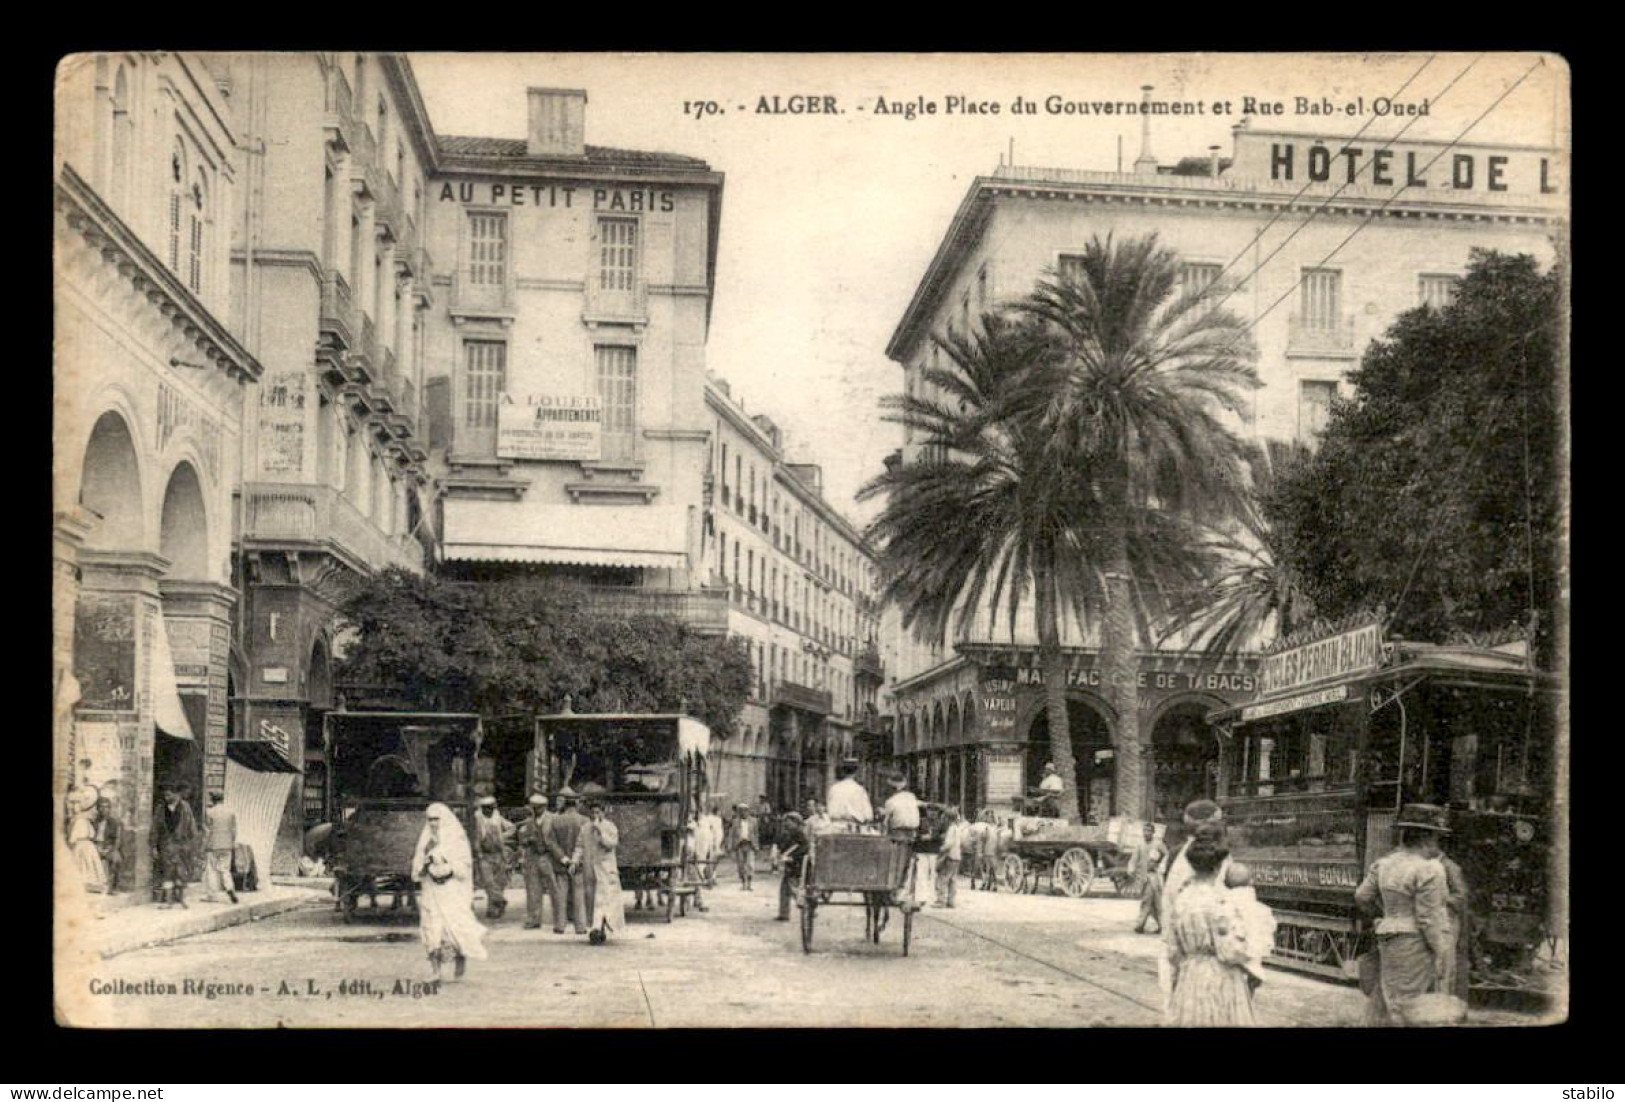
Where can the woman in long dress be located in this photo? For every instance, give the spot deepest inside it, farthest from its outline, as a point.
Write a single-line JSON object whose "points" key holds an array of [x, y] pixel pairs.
{"points": [[82, 844], [595, 851], [444, 865], [1215, 939]]}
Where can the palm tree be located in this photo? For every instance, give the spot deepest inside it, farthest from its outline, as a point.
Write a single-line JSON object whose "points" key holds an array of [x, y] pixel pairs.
{"points": [[981, 522], [1148, 379], [1255, 594]]}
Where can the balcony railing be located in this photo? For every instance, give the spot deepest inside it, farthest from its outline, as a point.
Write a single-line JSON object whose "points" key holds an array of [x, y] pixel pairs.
{"points": [[615, 305], [804, 697], [704, 610], [365, 351], [1323, 336], [867, 663], [339, 111], [278, 513], [338, 309]]}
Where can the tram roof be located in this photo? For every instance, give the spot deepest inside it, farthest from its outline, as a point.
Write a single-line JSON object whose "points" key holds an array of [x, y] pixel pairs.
{"points": [[1460, 666]]}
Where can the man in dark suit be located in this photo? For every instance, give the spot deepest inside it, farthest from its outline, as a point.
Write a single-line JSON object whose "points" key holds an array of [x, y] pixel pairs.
{"points": [[569, 881]]}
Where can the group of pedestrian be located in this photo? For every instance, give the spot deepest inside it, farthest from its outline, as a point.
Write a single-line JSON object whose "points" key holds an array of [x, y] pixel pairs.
{"points": [[568, 860], [97, 841]]}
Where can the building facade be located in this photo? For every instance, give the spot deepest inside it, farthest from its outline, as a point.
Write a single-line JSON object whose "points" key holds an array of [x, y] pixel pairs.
{"points": [[1328, 242], [799, 582], [150, 389], [331, 287]]}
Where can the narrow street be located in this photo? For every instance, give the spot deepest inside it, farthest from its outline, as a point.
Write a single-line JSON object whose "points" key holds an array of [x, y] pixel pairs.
{"points": [[996, 959]]}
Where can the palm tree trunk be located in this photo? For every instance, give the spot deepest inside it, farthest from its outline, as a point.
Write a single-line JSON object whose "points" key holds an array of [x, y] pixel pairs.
{"points": [[1053, 664], [1121, 659]]}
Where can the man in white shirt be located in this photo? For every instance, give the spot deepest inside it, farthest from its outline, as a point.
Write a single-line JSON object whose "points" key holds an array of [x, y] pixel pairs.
{"points": [[848, 801], [953, 851], [901, 810], [1051, 786]]}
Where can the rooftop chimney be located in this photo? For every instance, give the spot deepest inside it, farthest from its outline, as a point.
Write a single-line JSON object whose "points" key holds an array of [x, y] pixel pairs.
{"points": [[558, 123], [1213, 161], [1147, 161]]}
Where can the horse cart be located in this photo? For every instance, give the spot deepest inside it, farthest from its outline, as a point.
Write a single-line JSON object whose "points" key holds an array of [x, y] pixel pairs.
{"points": [[648, 770], [872, 867], [1070, 856], [387, 768]]}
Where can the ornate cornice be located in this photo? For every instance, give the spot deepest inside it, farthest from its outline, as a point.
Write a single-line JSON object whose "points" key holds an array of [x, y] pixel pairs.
{"points": [[119, 246]]}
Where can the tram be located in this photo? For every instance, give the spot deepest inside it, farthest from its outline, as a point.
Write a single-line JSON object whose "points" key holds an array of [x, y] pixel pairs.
{"points": [[1347, 729]]}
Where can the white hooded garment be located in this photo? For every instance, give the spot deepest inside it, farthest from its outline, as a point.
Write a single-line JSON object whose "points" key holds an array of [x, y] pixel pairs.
{"points": [[447, 908]]}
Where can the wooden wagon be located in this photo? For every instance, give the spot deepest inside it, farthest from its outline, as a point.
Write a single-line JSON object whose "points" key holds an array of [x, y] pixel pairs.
{"points": [[872, 867], [1070, 856]]}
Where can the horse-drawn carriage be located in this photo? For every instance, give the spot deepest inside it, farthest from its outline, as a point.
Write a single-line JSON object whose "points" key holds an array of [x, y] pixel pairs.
{"points": [[387, 768], [1070, 856], [648, 770], [872, 867]]}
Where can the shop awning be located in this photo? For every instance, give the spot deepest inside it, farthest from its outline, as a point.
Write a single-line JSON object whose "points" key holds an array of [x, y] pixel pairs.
{"points": [[564, 556], [169, 716], [259, 756]]}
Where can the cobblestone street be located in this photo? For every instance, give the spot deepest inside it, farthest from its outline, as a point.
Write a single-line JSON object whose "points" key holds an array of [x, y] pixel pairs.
{"points": [[996, 959]]}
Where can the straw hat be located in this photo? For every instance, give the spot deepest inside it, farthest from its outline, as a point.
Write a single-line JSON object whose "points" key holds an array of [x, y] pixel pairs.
{"points": [[1424, 817]]}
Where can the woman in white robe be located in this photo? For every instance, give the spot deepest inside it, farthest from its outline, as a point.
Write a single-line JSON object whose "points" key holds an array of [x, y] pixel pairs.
{"points": [[596, 853], [86, 857], [444, 865]]}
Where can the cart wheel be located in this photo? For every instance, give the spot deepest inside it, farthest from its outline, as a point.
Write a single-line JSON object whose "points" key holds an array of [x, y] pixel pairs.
{"points": [[1013, 873], [908, 929], [1074, 872], [807, 910]]}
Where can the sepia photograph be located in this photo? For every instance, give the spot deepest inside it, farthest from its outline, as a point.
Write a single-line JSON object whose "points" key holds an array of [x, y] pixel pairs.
{"points": [[670, 540]]}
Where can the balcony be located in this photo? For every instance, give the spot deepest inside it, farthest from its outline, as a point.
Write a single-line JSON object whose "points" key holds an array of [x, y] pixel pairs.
{"points": [[702, 610], [1320, 336], [292, 516], [364, 353], [622, 306], [338, 310], [788, 694], [867, 663], [338, 108], [480, 299]]}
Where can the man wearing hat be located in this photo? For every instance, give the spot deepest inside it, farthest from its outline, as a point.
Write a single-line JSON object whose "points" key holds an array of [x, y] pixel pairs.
{"points": [[1408, 889], [493, 836], [568, 881], [533, 857], [848, 800], [745, 841], [792, 848]]}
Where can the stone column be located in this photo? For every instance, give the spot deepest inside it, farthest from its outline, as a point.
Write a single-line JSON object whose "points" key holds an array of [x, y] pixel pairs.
{"points": [[118, 610], [67, 538], [198, 617]]}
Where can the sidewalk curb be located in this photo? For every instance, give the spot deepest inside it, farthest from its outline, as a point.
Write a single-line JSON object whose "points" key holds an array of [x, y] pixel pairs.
{"points": [[209, 923]]}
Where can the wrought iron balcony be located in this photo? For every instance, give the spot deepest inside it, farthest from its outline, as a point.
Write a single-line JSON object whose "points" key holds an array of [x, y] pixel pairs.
{"points": [[789, 694], [867, 663], [338, 108], [294, 516], [1320, 336], [364, 353]]}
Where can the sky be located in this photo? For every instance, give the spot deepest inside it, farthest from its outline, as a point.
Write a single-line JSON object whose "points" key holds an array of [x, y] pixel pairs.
{"points": [[830, 221]]}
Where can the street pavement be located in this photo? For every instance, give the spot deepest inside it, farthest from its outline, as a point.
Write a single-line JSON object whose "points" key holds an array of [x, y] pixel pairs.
{"points": [[996, 959]]}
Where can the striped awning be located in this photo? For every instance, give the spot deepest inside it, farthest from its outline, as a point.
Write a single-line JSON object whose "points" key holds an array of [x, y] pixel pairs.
{"points": [[566, 556], [168, 714]]}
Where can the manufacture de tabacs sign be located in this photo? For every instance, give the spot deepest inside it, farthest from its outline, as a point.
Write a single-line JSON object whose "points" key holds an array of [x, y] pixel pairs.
{"points": [[550, 426]]}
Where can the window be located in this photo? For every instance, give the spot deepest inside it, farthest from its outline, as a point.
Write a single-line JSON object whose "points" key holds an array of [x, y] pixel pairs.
{"points": [[400, 165], [1196, 278], [1437, 291], [485, 366], [123, 128], [177, 199], [1071, 268], [722, 554], [618, 387], [981, 290], [617, 254], [487, 249], [1321, 301], [1314, 407], [196, 201]]}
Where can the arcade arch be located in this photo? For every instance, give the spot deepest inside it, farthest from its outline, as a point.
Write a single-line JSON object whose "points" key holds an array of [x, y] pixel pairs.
{"points": [[110, 486], [184, 526], [1088, 720], [1185, 755]]}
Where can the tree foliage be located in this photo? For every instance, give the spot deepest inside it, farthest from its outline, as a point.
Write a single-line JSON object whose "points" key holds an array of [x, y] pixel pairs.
{"points": [[521, 646], [1437, 489]]}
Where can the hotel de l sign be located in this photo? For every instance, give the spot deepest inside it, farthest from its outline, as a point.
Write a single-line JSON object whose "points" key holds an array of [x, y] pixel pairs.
{"points": [[303, 337], [1343, 236]]}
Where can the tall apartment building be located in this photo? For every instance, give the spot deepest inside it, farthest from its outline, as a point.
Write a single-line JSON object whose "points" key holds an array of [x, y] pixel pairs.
{"points": [[149, 391], [799, 582], [330, 288], [1345, 236]]}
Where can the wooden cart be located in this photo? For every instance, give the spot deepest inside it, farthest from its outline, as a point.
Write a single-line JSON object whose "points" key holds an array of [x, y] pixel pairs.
{"points": [[870, 866], [1070, 856]]}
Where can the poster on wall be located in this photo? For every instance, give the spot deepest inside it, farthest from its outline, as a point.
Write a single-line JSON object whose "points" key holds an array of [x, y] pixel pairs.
{"points": [[104, 652], [550, 426], [1003, 781], [282, 423]]}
